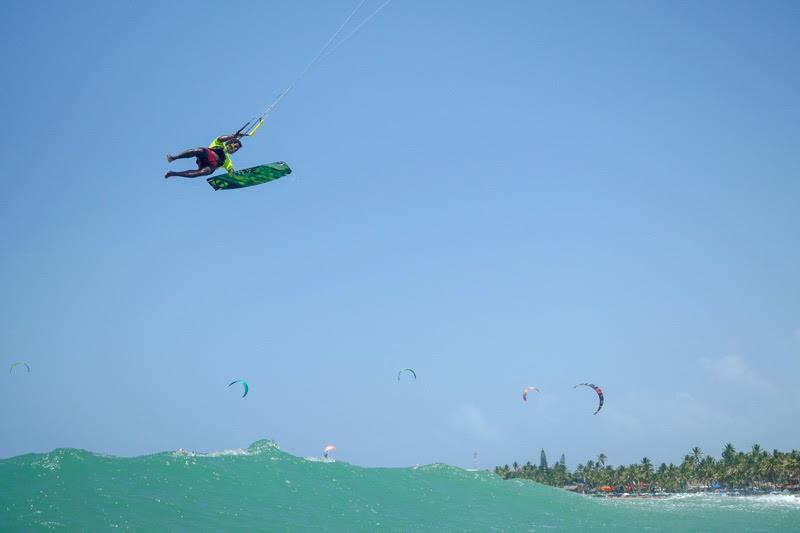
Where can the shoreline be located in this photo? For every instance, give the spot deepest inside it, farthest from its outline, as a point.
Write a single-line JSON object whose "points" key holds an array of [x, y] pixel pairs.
{"points": [[742, 493]]}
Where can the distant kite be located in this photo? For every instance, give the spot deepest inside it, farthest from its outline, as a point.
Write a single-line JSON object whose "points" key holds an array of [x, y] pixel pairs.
{"points": [[526, 391], [19, 363], [329, 448], [410, 371], [599, 392], [244, 384]]}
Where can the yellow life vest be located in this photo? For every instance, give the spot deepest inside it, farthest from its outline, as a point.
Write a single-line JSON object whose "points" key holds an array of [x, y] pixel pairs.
{"points": [[228, 164]]}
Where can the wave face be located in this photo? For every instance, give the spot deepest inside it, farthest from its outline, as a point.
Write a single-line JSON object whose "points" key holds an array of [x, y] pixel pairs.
{"points": [[262, 488]]}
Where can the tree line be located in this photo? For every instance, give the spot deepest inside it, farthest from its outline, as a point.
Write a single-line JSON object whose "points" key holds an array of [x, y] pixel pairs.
{"points": [[733, 470]]}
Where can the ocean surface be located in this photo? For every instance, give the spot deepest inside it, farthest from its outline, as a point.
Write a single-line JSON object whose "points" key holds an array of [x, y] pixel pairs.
{"points": [[264, 489]]}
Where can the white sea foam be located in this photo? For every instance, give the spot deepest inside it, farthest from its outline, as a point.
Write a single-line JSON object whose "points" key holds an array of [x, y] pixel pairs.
{"points": [[320, 459], [733, 502], [788, 501], [254, 449]]}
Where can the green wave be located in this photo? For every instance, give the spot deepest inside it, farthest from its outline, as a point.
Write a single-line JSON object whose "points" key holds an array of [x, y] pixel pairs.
{"points": [[262, 488]]}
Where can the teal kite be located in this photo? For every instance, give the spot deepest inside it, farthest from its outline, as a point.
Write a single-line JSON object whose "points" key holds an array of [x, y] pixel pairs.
{"points": [[410, 371], [244, 384], [250, 176], [19, 363]]}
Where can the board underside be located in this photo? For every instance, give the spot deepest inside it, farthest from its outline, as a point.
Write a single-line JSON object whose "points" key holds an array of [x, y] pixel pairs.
{"points": [[250, 176]]}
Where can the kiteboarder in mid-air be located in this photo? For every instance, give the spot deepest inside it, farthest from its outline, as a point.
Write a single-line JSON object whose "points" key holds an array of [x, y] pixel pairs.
{"points": [[209, 159]]}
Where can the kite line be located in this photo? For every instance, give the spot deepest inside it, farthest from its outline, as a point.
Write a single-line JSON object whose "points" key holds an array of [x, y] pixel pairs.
{"points": [[331, 46]]}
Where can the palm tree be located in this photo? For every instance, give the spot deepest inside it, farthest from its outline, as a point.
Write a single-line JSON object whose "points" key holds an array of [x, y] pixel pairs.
{"points": [[768, 468], [646, 470], [661, 475], [697, 454], [729, 452], [753, 462], [728, 463], [790, 466], [687, 471], [673, 476], [707, 470], [580, 473], [621, 475]]}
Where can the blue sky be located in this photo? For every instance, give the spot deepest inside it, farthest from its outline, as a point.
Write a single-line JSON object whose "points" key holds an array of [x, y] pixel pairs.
{"points": [[536, 193]]}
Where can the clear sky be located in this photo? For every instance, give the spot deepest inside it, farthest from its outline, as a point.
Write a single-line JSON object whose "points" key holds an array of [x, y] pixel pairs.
{"points": [[496, 194]]}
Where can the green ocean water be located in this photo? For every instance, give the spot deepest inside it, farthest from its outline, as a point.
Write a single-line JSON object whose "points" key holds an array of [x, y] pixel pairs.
{"points": [[264, 489]]}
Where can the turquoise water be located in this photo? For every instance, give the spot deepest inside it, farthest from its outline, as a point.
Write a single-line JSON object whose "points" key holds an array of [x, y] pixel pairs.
{"points": [[264, 489]]}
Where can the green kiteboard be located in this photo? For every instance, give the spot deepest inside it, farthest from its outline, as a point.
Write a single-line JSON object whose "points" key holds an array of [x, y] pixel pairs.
{"points": [[250, 176]]}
